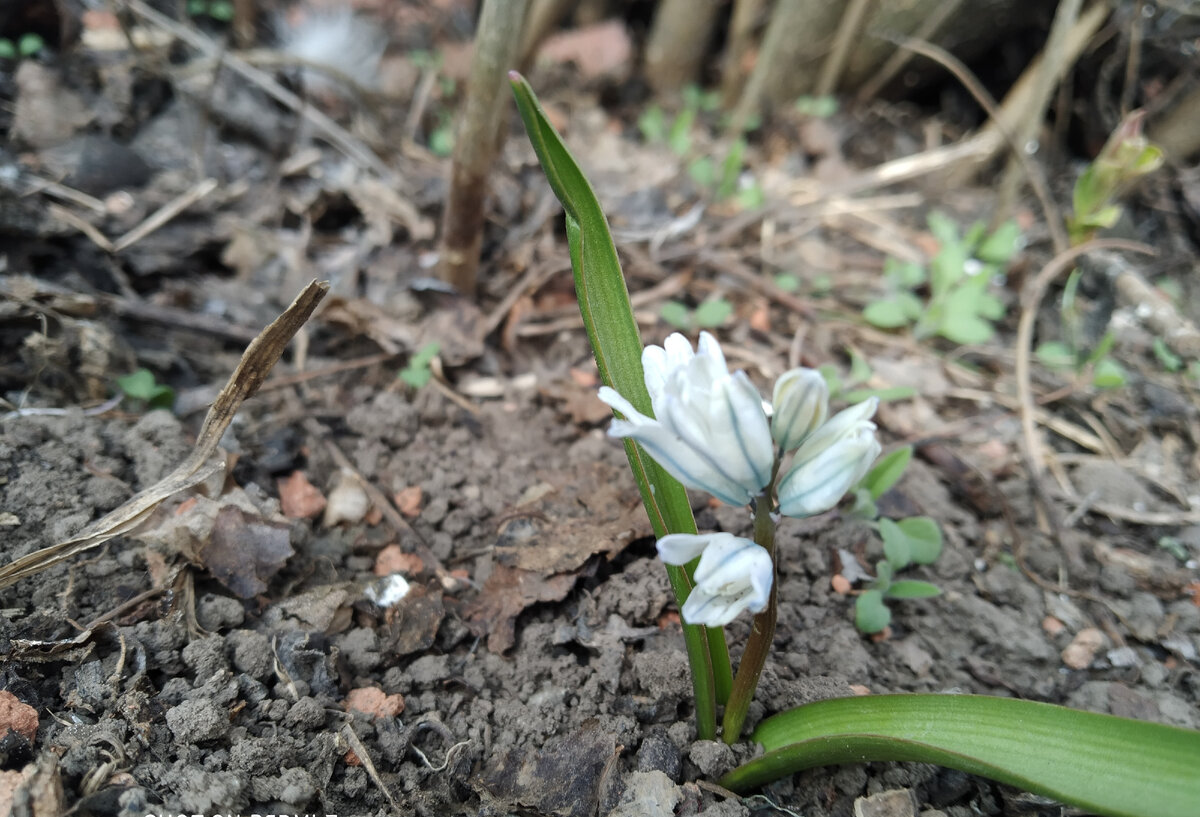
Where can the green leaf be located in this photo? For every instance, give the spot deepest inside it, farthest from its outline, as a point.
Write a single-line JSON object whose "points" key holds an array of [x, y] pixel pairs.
{"points": [[787, 282], [141, 385], [1056, 355], [680, 137], [924, 538], [731, 169], [989, 306], [860, 370], [30, 44], [910, 589], [965, 328], [1102, 348], [895, 544], [870, 613], [8, 51], [887, 471], [417, 373], [676, 314], [713, 313], [886, 313], [617, 345], [1108, 374], [653, 124], [221, 10], [1166, 358], [751, 197], [943, 227], [1103, 764], [884, 395], [702, 171], [999, 247]]}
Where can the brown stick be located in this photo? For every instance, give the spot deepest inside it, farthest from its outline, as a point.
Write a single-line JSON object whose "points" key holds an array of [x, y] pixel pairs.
{"points": [[497, 43]]}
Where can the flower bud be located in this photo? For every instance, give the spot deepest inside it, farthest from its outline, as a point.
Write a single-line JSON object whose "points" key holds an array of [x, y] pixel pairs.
{"points": [[831, 462], [799, 405]]}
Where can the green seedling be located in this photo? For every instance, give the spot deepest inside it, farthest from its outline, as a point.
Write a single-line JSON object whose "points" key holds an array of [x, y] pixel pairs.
{"points": [[915, 540], [708, 315], [142, 387], [726, 179], [1072, 355], [961, 306], [219, 10], [849, 389], [818, 107], [1126, 157], [417, 373], [27, 45]]}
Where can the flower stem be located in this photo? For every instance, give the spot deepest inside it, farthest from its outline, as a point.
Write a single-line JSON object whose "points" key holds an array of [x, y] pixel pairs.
{"points": [[762, 631], [699, 644]]}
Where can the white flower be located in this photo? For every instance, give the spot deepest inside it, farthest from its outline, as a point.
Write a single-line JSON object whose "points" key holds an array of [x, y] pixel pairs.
{"points": [[799, 405], [830, 462], [709, 429], [734, 574]]}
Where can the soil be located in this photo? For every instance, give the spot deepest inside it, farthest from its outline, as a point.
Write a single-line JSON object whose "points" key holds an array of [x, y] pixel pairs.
{"points": [[204, 663]]}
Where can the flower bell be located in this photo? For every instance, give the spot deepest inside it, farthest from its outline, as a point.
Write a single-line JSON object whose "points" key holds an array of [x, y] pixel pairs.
{"points": [[709, 429], [830, 462], [799, 405], [734, 574]]}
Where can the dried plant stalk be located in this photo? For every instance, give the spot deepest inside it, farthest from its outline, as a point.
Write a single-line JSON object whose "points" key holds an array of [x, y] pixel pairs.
{"points": [[497, 47], [678, 43]]}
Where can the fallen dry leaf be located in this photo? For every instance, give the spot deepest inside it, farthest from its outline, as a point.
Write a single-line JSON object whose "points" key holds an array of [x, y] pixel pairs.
{"points": [[245, 552], [506, 593], [603, 48], [299, 498], [412, 622]]}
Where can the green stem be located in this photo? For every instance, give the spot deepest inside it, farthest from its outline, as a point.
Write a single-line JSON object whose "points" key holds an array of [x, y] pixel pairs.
{"points": [[762, 631], [722, 669], [698, 644]]}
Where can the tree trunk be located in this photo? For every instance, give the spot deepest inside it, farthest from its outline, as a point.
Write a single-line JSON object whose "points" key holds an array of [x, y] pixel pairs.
{"points": [[679, 42]]}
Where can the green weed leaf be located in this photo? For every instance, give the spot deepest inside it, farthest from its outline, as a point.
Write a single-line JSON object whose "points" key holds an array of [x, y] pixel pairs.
{"points": [[871, 615], [887, 471], [895, 545], [924, 538], [910, 589]]}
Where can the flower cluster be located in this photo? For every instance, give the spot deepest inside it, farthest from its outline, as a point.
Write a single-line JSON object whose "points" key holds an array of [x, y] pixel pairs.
{"points": [[710, 430]]}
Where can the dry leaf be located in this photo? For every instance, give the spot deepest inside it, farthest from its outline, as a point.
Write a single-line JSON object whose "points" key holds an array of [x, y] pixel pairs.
{"points": [[245, 552], [412, 622], [394, 560], [506, 593], [18, 716]]}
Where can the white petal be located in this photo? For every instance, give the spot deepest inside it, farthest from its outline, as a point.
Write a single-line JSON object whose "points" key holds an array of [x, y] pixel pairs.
{"points": [[800, 403], [655, 370], [681, 548], [836, 427], [682, 461], [734, 574], [709, 347]]}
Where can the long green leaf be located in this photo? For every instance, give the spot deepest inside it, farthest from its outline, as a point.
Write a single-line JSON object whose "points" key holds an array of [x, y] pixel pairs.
{"points": [[1108, 765], [617, 344]]}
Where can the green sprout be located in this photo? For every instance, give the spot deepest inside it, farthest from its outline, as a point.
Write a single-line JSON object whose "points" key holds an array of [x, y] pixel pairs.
{"points": [[818, 107], [708, 315], [961, 306], [417, 373], [142, 387], [219, 10], [26, 46], [915, 540], [1072, 354]]}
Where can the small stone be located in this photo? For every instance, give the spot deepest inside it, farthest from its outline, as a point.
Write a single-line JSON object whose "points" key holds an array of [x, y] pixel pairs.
{"points": [[713, 758], [375, 702], [306, 712], [894, 803], [1080, 653], [18, 716]]}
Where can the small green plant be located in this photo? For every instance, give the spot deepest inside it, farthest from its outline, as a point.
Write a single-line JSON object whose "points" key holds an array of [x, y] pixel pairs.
{"points": [[725, 178], [818, 107], [1126, 157], [1072, 353], [26, 46], [142, 387], [219, 10], [417, 372], [707, 315], [915, 540], [850, 388], [961, 307]]}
